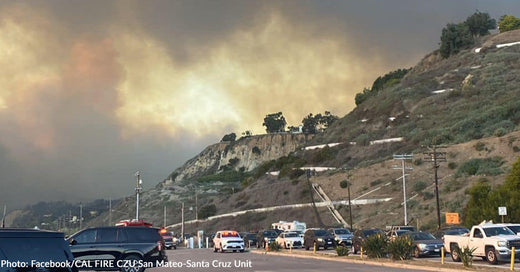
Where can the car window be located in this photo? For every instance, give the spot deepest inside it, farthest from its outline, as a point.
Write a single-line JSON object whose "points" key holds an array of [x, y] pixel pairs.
{"points": [[106, 235], [515, 229], [342, 231], [423, 236], [136, 234], [86, 237], [477, 233], [320, 232], [38, 249]]}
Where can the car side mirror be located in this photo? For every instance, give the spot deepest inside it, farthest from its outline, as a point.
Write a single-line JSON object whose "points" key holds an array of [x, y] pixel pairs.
{"points": [[72, 242]]}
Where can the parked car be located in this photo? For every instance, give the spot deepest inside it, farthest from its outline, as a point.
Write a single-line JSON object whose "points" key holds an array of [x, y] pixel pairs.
{"points": [[228, 240], [320, 237], [169, 241], [342, 236], [121, 245], [28, 245], [250, 239], [289, 239], [425, 244], [490, 241], [397, 233], [265, 237], [361, 235], [454, 230]]}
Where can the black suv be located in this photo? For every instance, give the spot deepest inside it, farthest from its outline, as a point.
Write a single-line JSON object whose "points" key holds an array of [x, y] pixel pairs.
{"points": [[361, 235], [119, 248], [321, 237], [265, 237], [34, 247]]}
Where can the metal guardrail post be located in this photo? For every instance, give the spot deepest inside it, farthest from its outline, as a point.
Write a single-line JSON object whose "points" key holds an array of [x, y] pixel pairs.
{"points": [[314, 247], [361, 252], [512, 258]]}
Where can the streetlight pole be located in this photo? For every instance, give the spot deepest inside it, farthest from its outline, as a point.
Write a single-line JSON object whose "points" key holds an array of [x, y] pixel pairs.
{"points": [[138, 189], [402, 158]]}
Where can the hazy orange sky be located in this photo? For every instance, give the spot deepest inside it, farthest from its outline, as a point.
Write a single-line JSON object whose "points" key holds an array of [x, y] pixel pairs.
{"points": [[92, 91]]}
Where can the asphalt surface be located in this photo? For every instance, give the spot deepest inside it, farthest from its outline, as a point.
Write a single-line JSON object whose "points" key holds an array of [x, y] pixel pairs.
{"points": [[206, 260]]}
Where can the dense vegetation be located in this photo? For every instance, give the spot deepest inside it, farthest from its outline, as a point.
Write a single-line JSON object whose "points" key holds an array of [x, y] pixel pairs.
{"points": [[484, 200]]}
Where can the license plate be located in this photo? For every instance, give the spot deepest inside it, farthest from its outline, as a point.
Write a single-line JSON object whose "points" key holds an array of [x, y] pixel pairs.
{"points": [[436, 250], [329, 242]]}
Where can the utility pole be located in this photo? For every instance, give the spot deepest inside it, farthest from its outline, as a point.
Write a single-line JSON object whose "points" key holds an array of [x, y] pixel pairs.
{"points": [[312, 199], [138, 189], [404, 157], [182, 221], [3, 217], [196, 207], [80, 216], [110, 211], [434, 156], [349, 202], [164, 224]]}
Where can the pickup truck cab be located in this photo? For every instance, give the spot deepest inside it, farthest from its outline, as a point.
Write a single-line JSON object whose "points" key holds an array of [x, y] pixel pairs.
{"points": [[492, 242]]}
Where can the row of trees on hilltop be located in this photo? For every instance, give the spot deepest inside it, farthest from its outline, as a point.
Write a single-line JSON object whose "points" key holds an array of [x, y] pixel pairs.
{"points": [[386, 81], [456, 37], [276, 123]]}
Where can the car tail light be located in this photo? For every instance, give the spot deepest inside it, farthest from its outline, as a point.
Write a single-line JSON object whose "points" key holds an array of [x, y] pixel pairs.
{"points": [[159, 245]]}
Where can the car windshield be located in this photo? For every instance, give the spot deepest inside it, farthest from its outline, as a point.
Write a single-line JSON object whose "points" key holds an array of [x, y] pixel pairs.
{"points": [[401, 232], [251, 236], [341, 231], [320, 232], [423, 236], [496, 231], [291, 234], [270, 233]]}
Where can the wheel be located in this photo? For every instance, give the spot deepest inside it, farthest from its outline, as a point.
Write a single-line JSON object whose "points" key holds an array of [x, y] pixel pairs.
{"points": [[491, 255], [215, 249], [416, 253], [242, 251], [455, 253], [355, 249], [131, 264], [325, 247], [174, 247], [306, 247]]}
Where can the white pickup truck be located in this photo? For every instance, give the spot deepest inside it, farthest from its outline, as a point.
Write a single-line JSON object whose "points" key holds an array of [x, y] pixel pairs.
{"points": [[492, 242]]}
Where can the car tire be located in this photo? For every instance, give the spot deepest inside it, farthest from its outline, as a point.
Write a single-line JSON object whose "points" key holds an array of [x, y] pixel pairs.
{"points": [[416, 253], [455, 253], [306, 247], [135, 259], [354, 249], [491, 256]]}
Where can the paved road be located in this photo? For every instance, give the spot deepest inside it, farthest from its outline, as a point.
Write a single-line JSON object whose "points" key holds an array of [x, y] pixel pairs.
{"points": [[206, 260]]}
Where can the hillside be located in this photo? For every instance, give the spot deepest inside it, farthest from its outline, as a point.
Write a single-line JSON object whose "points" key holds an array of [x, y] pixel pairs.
{"points": [[467, 102]]}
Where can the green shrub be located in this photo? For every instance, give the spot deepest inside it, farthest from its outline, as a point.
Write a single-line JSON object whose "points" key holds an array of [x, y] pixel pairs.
{"points": [[427, 195], [466, 255], [479, 146], [274, 246], [343, 184], [401, 248], [452, 165], [256, 150], [516, 148], [207, 211], [376, 182], [485, 166], [342, 251], [376, 245], [420, 185]]}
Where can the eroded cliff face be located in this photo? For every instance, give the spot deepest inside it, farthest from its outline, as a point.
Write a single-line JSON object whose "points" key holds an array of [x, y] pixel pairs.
{"points": [[245, 153]]}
